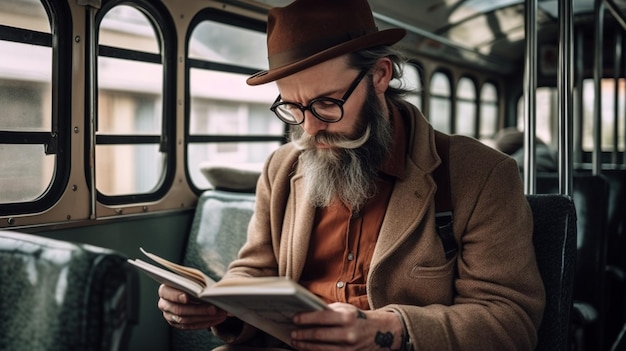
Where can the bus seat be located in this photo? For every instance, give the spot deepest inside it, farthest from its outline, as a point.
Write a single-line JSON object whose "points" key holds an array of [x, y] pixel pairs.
{"points": [[616, 260], [590, 196], [218, 231], [554, 239], [616, 222], [57, 295], [619, 343]]}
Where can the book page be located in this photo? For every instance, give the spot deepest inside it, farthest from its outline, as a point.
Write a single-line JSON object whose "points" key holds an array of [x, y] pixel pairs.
{"points": [[166, 277], [266, 286], [189, 272], [268, 303], [271, 315]]}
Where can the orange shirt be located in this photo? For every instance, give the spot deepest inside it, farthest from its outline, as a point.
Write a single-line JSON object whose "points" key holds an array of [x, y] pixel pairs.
{"points": [[342, 245]]}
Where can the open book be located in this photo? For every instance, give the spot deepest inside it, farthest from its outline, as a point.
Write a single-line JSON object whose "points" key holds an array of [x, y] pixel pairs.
{"points": [[268, 303]]}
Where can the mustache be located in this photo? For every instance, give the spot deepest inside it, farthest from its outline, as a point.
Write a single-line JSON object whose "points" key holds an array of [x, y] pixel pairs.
{"points": [[307, 141]]}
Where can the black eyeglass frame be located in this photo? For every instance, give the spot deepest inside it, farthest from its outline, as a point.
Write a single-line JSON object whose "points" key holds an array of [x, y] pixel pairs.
{"points": [[338, 102]]}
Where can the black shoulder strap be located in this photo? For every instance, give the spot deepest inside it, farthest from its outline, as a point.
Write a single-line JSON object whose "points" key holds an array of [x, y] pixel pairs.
{"points": [[444, 214]]}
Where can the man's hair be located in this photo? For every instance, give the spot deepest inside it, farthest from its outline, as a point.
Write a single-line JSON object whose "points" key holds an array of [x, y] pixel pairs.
{"points": [[365, 59]]}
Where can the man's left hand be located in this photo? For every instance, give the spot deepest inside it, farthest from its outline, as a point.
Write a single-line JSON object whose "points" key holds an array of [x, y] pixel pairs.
{"points": [[344, 327]]}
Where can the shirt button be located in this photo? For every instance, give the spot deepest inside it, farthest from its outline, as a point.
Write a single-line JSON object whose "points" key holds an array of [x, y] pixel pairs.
{"points": [[350, 256], [340, 285]]}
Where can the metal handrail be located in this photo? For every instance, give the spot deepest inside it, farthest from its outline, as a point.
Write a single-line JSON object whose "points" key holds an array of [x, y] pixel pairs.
{"points": [[530, 89], [565, 87]]}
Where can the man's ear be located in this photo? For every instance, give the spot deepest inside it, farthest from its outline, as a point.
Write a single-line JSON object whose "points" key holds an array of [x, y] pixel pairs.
{"points": [[382, 74]]}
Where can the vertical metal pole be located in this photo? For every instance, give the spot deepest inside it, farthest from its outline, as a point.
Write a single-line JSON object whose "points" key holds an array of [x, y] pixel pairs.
{"points": [[566, 89], [620, 19], [453, 104], [91, 8], [578, 126], [530, 89], [597, 81], [616, 76], [623, 162]]}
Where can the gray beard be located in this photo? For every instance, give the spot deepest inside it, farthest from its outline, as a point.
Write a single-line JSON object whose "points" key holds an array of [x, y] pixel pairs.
{"points": [[348, 170]]}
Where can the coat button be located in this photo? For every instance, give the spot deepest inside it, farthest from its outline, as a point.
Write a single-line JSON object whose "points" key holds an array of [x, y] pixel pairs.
{"points": [[340, 285]]}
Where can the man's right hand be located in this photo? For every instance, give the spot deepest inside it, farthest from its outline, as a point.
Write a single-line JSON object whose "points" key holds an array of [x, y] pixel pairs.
{"points": [[182, 311]]}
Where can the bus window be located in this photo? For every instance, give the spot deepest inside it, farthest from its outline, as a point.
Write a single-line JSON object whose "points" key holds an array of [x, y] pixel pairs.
{"points": [[488, 111], [411, 81], [129, 157], [466, 107], [26, 127], [608, 108], [229, 122], [440, 105], [546, 115]]}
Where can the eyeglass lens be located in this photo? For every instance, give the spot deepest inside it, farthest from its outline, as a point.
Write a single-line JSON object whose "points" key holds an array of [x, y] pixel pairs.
{"points": [[324, 108]]}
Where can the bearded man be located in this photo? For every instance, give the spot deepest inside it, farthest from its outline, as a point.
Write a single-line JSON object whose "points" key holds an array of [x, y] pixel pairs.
{"points": [[347, 208]]}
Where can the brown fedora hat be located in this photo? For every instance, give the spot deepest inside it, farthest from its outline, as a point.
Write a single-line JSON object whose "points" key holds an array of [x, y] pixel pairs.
{"points": [[308, 32]]}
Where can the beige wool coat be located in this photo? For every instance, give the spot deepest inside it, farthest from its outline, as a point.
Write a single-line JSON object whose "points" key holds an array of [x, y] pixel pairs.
{"points": [[489, 297]]}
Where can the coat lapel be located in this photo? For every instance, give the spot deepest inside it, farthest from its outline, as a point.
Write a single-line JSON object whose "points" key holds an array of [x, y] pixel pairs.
{"points": [[299, 230], [415, 193], [412, 196]]}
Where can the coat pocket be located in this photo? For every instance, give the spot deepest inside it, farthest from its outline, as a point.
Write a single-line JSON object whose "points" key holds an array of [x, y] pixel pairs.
{"points": [[435, 284]]}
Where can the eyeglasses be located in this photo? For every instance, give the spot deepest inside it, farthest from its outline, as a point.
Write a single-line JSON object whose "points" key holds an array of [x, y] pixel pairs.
{"points": [[326, 109]]}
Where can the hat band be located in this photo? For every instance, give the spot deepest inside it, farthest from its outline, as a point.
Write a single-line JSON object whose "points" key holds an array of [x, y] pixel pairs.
{"points": [[301, 52]]}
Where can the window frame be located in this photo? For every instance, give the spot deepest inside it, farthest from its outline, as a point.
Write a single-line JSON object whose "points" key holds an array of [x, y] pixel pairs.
{"points": [[165, 32], [419, 92], [475, 102], [481, 109], [216, 15], [58, 140], [449, 99]]}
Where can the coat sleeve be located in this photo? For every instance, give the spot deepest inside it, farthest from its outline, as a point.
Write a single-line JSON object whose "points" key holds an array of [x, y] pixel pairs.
{"points": [[498, 296]]}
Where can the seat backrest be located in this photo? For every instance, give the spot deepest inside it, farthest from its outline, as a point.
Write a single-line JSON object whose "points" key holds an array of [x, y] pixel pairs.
{"points": [[56, 295], [615, 322], [219, 229], [590, 196], [554, 239], [616, 222]]}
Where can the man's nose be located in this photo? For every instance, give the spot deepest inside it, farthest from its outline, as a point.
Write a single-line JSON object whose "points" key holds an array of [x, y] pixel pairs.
{"points": [[312, 125]]}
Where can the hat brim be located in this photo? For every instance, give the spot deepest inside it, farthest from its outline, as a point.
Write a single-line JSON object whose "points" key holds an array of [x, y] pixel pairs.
{"points": [[384, 37]]}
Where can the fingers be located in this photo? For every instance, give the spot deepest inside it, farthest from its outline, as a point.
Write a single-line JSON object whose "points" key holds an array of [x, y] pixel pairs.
{"points": [[191, 322], [172, 294], [189, 309], [340, 327], [172, 319], [338, 314], [183, 312], [327, 335]]}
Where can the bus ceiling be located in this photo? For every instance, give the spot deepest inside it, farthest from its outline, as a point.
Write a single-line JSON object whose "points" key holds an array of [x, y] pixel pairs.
{"points": [[487, 34]]}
